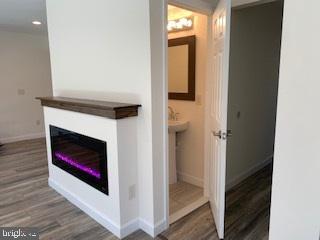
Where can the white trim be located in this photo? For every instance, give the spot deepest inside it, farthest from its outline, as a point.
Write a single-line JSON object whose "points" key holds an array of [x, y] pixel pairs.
{"points": [[247, 3], [118, 231], [190, 179], [195, 5], [129, 228], [23, 137], [209, 77], [242, 176], [188, 209], [165, 116], [153, 231]]}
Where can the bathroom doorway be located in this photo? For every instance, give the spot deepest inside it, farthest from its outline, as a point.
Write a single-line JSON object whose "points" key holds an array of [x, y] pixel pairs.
{"points": [[188, 33]]}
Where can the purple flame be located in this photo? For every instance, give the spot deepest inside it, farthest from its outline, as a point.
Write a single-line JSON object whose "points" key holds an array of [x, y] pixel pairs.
{"points": [[74, 163]]}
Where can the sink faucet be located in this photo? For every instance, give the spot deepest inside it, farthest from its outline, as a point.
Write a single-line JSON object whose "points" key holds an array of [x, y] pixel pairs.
{"points": [[172, 115]]}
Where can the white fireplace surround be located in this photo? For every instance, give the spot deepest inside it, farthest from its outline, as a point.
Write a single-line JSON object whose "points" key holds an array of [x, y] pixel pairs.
{"points": [[117, 212]]}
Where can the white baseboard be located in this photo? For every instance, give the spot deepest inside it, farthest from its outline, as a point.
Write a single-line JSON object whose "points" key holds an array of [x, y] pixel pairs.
{"points": [[236, 180], [190, 179], [118, 231], [188, 209], [22, 137], [153, 231], [129, 228]]}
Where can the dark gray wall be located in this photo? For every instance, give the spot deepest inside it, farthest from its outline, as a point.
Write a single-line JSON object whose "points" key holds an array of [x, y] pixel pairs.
{"points": [[253, 85]]}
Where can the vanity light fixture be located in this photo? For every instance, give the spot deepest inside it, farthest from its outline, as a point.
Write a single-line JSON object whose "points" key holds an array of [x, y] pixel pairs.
{"points": [[181, 24]]}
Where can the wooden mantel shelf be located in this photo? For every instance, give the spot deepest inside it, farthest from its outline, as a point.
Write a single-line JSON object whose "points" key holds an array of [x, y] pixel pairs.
{"points": [[113, 110]]}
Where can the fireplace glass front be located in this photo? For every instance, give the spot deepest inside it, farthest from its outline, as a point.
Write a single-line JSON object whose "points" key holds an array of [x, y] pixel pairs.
{"points": [[82, 156]]}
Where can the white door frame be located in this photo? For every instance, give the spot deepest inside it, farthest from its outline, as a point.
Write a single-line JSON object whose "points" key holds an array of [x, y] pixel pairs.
{"points": [[192, 6], [203, 9]]}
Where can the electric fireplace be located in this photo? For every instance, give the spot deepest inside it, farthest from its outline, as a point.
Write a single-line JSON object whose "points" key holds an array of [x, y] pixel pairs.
{"points": [[82, 156]]}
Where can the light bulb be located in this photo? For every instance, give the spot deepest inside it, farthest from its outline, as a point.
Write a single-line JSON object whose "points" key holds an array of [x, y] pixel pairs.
{"points": [[36, 23]]}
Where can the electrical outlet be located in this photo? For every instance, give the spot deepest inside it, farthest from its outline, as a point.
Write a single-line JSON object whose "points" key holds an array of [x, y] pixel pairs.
{"points": [[132, 192], [21, 91]]}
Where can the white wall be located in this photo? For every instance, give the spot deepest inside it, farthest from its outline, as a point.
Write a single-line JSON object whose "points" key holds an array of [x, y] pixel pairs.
{"points": [[295, 211], [25, 74], [101, 50], [253, 88], [158, 30], [190, 151]]}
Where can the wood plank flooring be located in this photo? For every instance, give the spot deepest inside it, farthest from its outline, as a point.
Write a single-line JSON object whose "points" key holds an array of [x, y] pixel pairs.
{"points": [[248, 207], [26, 200]]}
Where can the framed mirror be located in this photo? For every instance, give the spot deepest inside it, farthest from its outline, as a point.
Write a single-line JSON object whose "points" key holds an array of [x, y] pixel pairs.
{"points": [[182, 68]]}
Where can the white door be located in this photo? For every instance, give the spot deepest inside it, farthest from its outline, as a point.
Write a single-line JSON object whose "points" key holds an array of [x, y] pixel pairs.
{"points": [[217, 119]]}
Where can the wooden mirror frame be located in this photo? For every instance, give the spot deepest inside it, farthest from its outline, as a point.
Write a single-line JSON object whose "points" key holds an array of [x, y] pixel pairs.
{"points": [[191, 42]]}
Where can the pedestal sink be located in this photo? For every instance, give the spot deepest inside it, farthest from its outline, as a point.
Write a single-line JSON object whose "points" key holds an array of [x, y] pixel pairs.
{"points": [[177, 126], [174, 128]]}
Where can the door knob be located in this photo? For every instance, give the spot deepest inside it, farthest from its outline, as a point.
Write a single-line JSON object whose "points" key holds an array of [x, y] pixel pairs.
{"points": [[223, 135]]}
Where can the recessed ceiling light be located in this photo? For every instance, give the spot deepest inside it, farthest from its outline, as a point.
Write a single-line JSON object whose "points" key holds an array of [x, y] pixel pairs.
{"points": [[36, 23]]}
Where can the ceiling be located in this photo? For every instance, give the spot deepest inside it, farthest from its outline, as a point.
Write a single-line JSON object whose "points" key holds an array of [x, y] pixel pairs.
{"points": [[209, 1], [176, 12], [17, 16]]}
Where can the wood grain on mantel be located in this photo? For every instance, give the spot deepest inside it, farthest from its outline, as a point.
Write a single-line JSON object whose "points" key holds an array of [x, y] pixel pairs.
{"points": [[113, 110]]}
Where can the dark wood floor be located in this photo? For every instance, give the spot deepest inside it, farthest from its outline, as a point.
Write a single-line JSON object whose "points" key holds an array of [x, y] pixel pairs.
{"points": [[26, 200], [248, 207]]}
